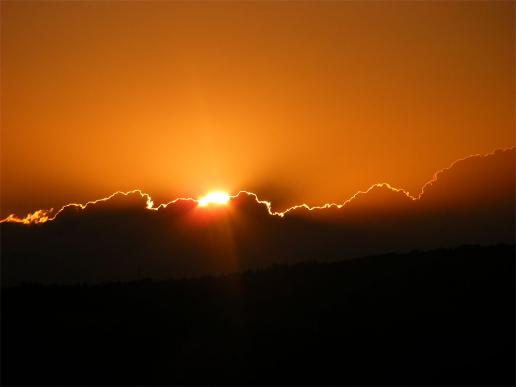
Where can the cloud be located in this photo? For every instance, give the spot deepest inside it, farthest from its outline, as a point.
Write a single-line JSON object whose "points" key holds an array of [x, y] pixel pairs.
{"points": [[476, 178], [125, 235]]}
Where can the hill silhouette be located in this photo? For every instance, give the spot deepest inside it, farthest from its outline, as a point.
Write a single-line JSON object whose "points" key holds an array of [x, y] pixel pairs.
{"points": [[119, 238], [443, 317]]}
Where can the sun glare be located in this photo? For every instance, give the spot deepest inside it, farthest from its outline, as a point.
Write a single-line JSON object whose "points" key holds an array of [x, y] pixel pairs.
{"points": [[218, 197]]}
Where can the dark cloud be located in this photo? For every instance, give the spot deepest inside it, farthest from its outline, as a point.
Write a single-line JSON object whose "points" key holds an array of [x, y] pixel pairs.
{"points": [[120, 239]]}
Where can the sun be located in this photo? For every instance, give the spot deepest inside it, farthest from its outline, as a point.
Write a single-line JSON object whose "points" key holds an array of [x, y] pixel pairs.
{"points": [[216, 197]]}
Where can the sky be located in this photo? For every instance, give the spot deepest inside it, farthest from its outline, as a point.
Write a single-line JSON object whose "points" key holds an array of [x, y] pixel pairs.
{"points": [[299, 102]]}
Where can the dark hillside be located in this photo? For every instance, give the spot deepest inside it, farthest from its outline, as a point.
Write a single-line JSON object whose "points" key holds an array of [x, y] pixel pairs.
{"points": [[443, 317]]}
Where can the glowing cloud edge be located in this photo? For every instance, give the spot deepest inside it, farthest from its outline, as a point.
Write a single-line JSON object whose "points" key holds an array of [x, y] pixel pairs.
{"points": [[45, 215]]}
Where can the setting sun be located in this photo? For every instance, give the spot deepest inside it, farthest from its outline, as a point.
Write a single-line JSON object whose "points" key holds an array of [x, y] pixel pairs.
{"points": [[216, 197]]}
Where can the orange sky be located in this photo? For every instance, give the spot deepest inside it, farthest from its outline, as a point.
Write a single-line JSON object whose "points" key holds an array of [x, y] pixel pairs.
{"points": [[296, 101]]}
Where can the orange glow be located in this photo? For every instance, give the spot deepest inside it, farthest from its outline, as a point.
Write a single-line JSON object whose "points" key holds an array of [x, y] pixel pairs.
{"points": [[299, 102], [39, 216], [216, 197]]}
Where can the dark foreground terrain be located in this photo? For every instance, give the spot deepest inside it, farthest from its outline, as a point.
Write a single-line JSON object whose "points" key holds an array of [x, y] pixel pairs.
{"points": [[434, 318]]}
